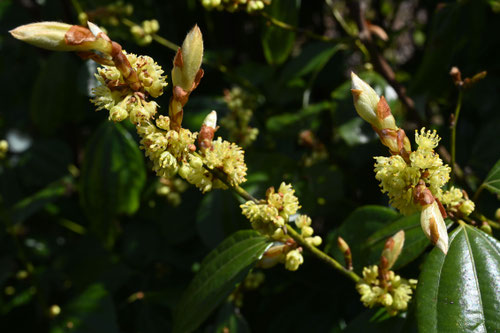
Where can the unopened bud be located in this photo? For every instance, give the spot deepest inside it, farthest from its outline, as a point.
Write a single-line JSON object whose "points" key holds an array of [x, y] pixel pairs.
{"points": [[188, 59], [433, 225], [211, 120], [365, 99], [497, 214], [392, 248], [486, 228], [346, 251], [58, 36], [54, 310]]}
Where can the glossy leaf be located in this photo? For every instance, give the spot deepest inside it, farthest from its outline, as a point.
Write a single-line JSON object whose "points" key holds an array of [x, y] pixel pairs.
{"points": [[113, 175], [220, 271], [278, 42], [492, 181], [460, 291]]}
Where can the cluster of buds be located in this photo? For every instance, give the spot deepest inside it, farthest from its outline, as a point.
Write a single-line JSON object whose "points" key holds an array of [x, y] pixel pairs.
{"points": [[269, 217], [234, 5], [381, 286], [413, 180], [108, 15], [171, 189], [457, 202], [4, 148], [237, 120], [143, 34]]}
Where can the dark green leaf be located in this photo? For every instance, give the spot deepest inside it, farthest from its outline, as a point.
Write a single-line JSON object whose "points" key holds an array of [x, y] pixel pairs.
{"points": [[276, 41], [113, 175], [356, 229], [460, 291], [492, 181], [219, 215], [55, 98], [220, 271], [30, 205]]}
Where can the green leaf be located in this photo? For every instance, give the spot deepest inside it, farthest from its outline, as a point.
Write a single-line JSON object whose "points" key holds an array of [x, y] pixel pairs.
{"points": [[356, 229], [492, 181], [113, 175], [92, 311], [276, 41], [220, 271], [32, 204], [313, 57], [460, 291]]}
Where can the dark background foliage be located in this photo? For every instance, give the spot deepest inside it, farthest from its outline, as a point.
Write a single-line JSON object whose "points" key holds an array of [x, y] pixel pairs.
{"points": [[82, 226]]}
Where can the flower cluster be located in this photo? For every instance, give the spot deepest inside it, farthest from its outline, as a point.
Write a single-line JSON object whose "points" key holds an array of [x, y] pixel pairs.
{"points": [[269, 217], [457, 202], [237, 121], [143, 34], [115, 95], [393, 293], [234, 5], [399, 179]]}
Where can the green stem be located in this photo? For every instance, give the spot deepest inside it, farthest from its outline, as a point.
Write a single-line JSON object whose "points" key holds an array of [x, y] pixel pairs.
{"points": [[492, 223], [286, 26], [454, 131], [235, 188], [322, 255], [478, 191]]}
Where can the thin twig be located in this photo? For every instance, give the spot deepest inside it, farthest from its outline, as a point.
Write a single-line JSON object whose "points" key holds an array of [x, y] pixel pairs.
{"points": [[454, 130]]}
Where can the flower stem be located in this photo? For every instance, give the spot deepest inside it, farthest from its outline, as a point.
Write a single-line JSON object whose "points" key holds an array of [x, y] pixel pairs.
{"points": [[454, 131], [322, 255]]}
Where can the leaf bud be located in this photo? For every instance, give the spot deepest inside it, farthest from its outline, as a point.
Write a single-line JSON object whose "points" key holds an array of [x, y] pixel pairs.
{"points": [[392, 249], [433, 225], [365, 99], [188, 59], [58, 36], [486, 228], [346, 251]]}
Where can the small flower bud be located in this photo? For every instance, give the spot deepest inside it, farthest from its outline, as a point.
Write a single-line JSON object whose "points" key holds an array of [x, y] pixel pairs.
{"points": [[293, 260], [497, 214], [433, 225], [117, 113], [54, 310], [392, 249], [486, 228], [346, 251], [4, 148]]}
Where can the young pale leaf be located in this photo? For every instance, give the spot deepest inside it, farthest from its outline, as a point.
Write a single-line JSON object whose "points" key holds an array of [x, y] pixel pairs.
{"points": [[220, 271], [459, 292], [492, 181]]}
